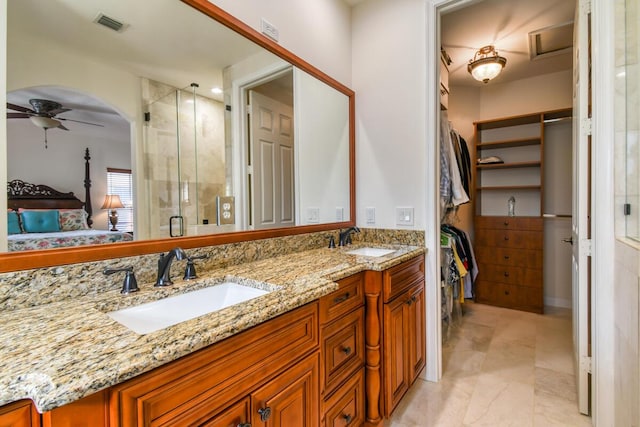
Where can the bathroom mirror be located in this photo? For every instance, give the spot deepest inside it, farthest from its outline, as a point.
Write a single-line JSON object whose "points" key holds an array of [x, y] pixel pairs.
{"points": [[317, 190]]}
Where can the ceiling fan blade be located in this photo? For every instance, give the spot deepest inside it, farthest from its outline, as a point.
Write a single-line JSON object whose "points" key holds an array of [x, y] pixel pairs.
{"points": [[79, 121], [61, 126], [15, 107], [18, 115]]}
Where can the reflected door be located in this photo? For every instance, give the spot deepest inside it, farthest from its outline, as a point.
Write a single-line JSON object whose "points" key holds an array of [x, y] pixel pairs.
{"points": [[271, 172]]}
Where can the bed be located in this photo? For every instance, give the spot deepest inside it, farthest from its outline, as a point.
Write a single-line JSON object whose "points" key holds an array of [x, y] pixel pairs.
{"points": [[40, 217]]}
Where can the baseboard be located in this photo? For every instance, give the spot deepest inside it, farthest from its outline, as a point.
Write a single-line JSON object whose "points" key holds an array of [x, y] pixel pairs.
{"points": [[558, 302]]}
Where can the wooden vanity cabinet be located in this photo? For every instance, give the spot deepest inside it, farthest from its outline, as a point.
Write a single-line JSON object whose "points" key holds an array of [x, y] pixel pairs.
{"points": [[343, 354], [395, 335], [267, 375], [19, 414]]}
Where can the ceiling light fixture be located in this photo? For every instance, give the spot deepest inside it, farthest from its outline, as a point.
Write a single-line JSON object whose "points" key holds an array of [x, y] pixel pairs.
{"points": [[486, 64], [216, 90], [44, 123]]}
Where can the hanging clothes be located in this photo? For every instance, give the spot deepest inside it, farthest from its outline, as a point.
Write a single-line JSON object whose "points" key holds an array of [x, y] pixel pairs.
{"points": [[452, 190]]}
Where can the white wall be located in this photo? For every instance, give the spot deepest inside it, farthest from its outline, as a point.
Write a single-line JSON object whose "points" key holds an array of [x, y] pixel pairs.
{"points": [[317, 31], [389, 77]]}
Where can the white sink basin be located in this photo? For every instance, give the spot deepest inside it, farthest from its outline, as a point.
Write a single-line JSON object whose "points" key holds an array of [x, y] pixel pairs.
{"points": [[371, 252], [156, 315]]}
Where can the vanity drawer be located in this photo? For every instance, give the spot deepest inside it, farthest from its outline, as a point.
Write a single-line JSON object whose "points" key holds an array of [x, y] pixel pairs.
{"points": [[346, 407], [512, 275], [342, 344], [400, 278], [509, 223], [528, 258], [349, 296]]}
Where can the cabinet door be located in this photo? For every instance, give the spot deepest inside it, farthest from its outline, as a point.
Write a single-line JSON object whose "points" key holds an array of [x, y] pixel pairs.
{"points": [[90, 411], [19, 414], [396, 351], [291, 398], [417, 344]]}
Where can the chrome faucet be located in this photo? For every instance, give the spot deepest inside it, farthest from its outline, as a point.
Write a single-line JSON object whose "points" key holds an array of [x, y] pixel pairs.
{"points": [[164, 266], [345, 236]]}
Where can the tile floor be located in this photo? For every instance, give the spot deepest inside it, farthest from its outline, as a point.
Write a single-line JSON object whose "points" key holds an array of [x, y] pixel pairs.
{"points": [[500, 368]]}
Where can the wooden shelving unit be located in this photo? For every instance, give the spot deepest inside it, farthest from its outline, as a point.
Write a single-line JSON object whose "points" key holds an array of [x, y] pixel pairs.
{"points": [[509, 249]]}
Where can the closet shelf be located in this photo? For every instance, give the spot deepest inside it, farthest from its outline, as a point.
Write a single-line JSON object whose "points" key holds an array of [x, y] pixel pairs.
{"points": [[510, 187], [521, 142], [509, 165]]}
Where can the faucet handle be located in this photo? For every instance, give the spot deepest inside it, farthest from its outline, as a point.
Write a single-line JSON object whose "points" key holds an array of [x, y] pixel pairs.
{"points": [[190, 269], [130, 283]]}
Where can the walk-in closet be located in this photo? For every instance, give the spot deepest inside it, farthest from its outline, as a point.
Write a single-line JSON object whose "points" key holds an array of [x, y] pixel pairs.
{"points": [[514, 202]]}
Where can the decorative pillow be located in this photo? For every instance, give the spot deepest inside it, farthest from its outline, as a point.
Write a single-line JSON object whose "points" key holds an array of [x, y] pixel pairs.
{"points": [[73, 219], [14, 222], [40, 221]]}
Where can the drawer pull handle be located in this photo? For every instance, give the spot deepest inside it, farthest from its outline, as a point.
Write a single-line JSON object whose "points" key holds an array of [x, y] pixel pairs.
{"points": [[506, 237], [346, 350], [506, 292], [506, 223], [413, 298], [347, 418], [506, 274], [342, 298], [265, 413], [409, 301], [244, 425], [506, 257]]}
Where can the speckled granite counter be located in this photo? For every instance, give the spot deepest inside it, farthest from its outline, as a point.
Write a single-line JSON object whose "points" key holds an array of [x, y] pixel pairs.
{"points": [[59, 352]]}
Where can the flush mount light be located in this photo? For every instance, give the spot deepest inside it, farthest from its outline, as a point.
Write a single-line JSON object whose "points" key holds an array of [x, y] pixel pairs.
{"points": [[216, 90], [44, 122], [486, 64]]}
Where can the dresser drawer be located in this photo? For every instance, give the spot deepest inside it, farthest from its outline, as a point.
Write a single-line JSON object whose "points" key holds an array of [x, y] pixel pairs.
{"points": [[349, 296], [400, 278], [346, 407], [342, 344], [511, 275], [509, 223], [510, 296], [509, 239], [528, 258]]}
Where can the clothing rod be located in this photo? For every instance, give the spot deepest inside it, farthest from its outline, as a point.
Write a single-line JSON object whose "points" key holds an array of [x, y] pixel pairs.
{"points": [[547, 215]]}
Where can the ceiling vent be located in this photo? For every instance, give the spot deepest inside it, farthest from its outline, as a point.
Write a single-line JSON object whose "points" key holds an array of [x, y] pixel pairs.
{"points": [[110, 23], [550, 41]]}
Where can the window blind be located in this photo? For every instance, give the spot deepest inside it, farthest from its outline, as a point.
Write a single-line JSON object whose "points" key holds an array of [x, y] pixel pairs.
{"points": [[120, 182]]}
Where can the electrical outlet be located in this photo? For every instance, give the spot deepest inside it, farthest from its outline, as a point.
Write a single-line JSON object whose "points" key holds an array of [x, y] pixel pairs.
{"points": [[269, 30], [370, 215], [339, 214], [404, 216], [225, 210], [313, 215]]}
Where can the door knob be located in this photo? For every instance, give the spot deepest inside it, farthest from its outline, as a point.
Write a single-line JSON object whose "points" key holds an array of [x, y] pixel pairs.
{"points": [[568, 240]]}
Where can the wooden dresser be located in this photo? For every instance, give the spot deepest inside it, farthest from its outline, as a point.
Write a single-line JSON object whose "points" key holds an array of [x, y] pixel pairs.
{"points": [[509, 255]]}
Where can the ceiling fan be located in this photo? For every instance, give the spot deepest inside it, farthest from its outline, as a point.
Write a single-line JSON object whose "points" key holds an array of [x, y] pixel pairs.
{"points": [[44, 115]]}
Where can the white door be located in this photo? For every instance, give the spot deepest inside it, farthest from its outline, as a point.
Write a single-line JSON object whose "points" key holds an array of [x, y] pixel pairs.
{"points": [[271, 182], [580, 235]]}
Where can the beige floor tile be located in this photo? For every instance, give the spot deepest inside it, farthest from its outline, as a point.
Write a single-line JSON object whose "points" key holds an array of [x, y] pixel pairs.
{"points": [[500, 368], [549, 411], [499, 402]]}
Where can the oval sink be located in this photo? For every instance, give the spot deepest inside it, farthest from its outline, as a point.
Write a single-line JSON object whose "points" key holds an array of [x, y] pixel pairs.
{"points": [[156, 315], [371, 252]]}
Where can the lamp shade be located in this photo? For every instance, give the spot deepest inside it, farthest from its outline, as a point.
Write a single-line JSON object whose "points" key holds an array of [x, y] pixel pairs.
{"points": [[112, 201], [486, 64]]}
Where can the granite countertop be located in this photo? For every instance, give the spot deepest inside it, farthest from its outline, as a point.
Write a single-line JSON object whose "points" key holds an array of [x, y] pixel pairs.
{"points": [[59, 352]]}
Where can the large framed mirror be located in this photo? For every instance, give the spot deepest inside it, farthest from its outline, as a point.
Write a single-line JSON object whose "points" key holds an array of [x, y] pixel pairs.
{"points": [[223, 135]]}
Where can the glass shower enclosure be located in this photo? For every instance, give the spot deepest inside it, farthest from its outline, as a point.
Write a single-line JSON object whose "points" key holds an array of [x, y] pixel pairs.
{"points": [[184, 160]]}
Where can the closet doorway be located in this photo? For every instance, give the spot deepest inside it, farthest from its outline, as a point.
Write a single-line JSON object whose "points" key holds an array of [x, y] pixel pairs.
{"points": [[538, 78]]}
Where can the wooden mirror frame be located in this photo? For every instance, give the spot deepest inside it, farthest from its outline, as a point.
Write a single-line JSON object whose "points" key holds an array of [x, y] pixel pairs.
{"points": [[14, 261]]}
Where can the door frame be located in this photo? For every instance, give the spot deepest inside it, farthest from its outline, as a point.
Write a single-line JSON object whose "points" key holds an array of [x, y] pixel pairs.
{"points": [[603, 233]]}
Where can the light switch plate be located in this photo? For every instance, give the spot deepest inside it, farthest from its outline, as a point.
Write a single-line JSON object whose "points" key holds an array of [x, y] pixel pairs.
{"points": [[404, 216], [313, 215], [339, 214], [370, 215]]}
